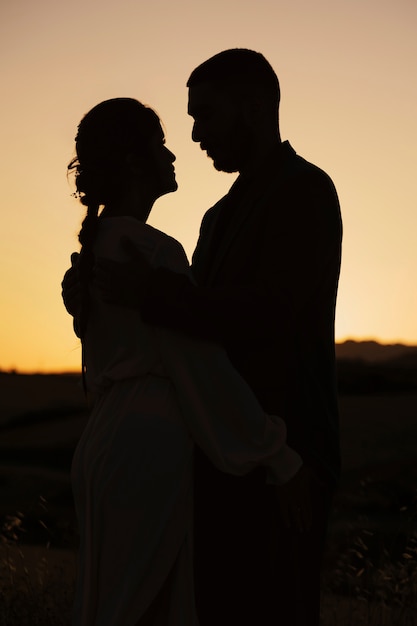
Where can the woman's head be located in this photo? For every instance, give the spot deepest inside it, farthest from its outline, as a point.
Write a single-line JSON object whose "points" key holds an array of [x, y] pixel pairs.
{"points": [[115, 140], [121, 163]]}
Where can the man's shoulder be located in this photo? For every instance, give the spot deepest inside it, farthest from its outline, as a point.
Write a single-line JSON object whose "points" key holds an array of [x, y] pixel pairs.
{"points": [[294, 163], [297, 167], [302, 191]]}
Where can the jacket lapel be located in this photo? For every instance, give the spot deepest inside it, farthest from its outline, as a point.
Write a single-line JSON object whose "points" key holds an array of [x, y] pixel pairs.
{"points": [[247, 204], [201, 260], [249, 198]]}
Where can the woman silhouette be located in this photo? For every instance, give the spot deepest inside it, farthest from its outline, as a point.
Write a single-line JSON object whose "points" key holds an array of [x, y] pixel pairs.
{"points": [[157, 394]]}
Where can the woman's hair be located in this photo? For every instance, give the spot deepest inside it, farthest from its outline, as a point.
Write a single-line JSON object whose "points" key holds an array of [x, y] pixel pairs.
{"points": [[107, 135]]}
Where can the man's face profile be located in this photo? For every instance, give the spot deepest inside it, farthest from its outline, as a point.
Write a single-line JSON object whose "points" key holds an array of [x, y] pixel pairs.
{"points": [[219, 126]]}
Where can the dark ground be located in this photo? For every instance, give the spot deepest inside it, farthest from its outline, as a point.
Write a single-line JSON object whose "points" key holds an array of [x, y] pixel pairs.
{"points": [[373, 524]]}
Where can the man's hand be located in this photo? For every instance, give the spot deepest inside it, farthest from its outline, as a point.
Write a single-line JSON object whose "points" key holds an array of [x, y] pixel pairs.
{"points": [[71, 288], [295, 499], [123, 283]]}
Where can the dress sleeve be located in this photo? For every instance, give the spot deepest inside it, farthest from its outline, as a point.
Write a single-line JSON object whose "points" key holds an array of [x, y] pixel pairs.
{"points": [[222, 414]]}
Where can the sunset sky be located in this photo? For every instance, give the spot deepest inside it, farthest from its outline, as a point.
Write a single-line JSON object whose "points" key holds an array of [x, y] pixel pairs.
{"points": [[347, 70]]}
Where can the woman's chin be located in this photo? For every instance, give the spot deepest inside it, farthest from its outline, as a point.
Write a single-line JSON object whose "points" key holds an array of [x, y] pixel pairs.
{"points": [[173, 186]]}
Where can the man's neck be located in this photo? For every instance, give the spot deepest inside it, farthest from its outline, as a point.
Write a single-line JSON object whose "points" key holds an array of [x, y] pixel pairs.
{"points": [[260, 155]]}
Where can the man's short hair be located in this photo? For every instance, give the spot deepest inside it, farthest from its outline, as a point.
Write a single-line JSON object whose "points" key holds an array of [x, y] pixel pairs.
{"points": [[236, 69]]}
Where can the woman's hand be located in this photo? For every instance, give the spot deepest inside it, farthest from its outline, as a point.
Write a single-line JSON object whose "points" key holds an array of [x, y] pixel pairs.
{"points": [[71, 288]]}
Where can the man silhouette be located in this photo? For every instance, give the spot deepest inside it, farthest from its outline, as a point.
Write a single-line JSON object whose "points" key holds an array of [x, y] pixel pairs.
{"points": [[266, 265]]}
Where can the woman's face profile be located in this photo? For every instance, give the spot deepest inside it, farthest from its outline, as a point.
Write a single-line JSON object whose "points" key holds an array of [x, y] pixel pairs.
{"points": [[161, 166]]}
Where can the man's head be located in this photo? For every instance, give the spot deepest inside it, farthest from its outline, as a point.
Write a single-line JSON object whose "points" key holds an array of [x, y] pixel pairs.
{"points": [[234, 99]]}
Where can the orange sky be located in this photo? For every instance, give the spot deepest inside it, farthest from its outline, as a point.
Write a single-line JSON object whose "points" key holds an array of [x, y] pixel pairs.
{"points": [[349, 99]]}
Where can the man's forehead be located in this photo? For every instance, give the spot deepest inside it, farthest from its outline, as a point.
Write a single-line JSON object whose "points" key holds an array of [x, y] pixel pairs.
{"points": [[205, 95]]}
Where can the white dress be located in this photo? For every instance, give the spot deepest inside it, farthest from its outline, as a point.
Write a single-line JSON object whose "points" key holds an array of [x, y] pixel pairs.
{"points": [[158, 393]]}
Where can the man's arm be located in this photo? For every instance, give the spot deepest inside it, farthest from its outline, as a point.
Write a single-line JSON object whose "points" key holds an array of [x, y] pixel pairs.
{"points": [[173, 300], [288, 257]]}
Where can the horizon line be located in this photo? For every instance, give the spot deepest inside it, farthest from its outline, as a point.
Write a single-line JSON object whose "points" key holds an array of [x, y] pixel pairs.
{"points": [[77, 371]]}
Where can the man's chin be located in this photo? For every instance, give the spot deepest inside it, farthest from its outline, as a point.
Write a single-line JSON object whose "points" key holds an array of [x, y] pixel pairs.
{"points": [[223, 166]]}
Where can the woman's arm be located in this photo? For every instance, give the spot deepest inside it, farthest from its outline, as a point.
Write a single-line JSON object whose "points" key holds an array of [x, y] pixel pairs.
{"points": [[221, 412]]}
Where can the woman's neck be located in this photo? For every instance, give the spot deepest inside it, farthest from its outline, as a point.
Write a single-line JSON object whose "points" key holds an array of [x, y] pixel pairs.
{"points": [[137, 208]]}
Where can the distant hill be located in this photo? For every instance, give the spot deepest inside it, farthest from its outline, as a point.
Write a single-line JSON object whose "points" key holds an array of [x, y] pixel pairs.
{"points": [[374, 352], [366, 367]]}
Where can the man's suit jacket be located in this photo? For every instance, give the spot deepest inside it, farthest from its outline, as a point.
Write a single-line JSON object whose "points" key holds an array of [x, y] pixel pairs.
{"points": [[267, 265]]}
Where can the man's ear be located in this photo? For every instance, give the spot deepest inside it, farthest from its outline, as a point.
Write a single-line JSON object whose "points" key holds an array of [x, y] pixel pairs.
{"points": [[252, 109]]}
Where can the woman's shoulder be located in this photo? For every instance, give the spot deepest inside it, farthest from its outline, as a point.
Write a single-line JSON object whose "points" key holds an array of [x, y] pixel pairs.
{"points": [[160, 248], [169, 252]]}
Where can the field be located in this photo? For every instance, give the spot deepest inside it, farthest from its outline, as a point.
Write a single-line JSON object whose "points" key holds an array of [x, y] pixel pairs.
{"points": [[370, 570]]}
